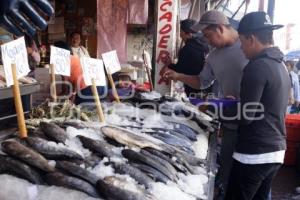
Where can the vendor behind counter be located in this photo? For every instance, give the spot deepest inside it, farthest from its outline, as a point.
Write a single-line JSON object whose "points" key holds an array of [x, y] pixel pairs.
{"points": [[81, 92]]}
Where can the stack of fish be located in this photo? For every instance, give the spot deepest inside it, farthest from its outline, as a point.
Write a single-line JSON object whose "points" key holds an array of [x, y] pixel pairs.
{"points": [[130, 158]]}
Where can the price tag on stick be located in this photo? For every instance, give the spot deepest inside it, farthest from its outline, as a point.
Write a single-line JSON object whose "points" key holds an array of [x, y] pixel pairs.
{"points": [[18, 104], [53, 83], [112, 66], [93, 74], [93, 69], [14, 56], [60, 64], [15, 53], [97, 101]]}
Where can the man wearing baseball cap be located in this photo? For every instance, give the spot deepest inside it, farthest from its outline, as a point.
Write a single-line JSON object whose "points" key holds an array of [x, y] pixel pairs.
{"points": [[264, 95], [224, 65]]}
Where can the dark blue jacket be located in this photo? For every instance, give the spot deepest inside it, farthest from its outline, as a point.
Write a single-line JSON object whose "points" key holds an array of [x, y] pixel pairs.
{"points": [[191, 59]]}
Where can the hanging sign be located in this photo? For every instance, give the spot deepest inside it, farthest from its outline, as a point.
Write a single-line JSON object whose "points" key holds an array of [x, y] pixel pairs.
{"points": [[167, 12]]}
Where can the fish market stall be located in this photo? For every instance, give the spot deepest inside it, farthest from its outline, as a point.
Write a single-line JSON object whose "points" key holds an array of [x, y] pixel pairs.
{"points": [[138, 153]]}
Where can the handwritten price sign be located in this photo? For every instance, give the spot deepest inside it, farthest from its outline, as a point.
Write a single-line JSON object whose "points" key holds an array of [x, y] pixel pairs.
{"points": [[111, 62], [93, 69], [60, 58], [15, 53]]}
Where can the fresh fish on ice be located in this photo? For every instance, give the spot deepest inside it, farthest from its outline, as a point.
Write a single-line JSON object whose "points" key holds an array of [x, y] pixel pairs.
{"points": [[15, 167], [128, 138], [54, 132], [136, 157], [77, 171], [176, 164], [59, 179], [51, 150], [156, 175], [27, 155], [103, 149], [134, 172], [115, 188]]}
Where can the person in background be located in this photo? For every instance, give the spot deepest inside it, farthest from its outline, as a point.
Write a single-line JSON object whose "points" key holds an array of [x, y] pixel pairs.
{"points": [[295, 87], [191, 57], [81, 92], [265, 86], [77, 48], [33, 54]]}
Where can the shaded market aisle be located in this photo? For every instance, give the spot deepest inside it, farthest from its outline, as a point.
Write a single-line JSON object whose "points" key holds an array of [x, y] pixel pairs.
{"points": [[283, 188]]}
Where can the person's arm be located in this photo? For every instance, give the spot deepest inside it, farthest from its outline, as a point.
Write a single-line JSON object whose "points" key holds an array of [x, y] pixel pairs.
{"points": [[202, 81]]}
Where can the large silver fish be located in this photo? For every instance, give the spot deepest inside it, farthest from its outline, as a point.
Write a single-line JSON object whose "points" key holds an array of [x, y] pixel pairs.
{"points": [[51, 151], [128, 138], [20, 169], [59, 179], [27, 155]]}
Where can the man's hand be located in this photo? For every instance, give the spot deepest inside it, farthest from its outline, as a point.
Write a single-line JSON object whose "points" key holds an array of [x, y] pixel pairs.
{"points": [[171, 75], [12, 14]]}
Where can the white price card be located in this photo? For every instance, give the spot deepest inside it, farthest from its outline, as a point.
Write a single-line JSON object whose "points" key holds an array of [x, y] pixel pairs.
{"points": [[93, 69], [111, 62], [147, 59], [60, 58], [15, 52]]}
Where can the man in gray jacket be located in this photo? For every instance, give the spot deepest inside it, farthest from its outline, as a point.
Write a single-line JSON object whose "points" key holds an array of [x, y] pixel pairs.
{"points": [[264, 95], [224, 65]]}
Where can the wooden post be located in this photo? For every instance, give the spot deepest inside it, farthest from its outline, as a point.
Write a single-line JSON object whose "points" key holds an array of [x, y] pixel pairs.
{"points": [[149, 77], [18, 104], [113, 87], [53, 84], [97, 101]]}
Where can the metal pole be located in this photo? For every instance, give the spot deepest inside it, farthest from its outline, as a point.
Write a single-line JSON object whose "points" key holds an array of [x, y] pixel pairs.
{"points": [[271, 8]]}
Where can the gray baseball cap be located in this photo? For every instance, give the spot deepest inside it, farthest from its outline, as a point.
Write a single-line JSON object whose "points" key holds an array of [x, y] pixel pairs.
{"points": [[212, 17]]}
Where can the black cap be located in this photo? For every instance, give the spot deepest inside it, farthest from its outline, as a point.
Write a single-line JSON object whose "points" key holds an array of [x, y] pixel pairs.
{"points": [[187, 24], [256, 21]]}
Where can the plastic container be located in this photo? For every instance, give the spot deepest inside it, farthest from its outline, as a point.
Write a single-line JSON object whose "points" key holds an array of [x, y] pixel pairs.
{"points": [[292, 123], [290, 158], [217, 102]]}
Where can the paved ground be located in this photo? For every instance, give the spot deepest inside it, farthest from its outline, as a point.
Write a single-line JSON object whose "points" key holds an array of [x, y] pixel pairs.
{"points": [[283, 188]]}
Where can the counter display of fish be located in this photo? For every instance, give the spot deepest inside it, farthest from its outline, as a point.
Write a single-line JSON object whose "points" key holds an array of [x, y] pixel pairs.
{"points": [[138, 154]]}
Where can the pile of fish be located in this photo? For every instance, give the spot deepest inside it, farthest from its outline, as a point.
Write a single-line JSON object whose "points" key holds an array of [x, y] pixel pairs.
{"points": [[147, 156]]}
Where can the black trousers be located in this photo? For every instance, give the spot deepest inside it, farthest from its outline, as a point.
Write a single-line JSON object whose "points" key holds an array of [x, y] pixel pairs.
{"points": [[251, 182]]}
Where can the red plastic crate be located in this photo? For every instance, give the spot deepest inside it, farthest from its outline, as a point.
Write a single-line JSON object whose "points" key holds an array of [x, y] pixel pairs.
{"points": [[292, 123], [290, 157]]}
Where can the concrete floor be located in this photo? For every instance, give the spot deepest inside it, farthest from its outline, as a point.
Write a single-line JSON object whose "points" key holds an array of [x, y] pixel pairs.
{"points": [[283, 188]]}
